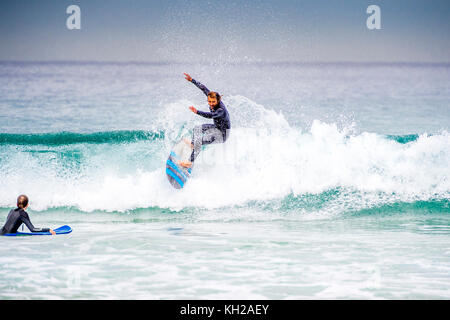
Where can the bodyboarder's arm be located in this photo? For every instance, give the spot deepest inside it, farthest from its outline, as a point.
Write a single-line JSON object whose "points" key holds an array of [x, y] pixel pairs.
{"points": [[25, 219]]}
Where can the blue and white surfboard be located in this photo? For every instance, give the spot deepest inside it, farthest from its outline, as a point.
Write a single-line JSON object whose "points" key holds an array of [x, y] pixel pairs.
{"points": [[177, 174]]}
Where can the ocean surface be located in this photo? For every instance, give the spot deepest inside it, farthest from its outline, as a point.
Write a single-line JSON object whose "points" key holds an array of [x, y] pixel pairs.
{"points": [[334, 183]]}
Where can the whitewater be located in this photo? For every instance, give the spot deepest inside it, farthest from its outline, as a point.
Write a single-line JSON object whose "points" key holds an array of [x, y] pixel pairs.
{"points": [[334, 182]]}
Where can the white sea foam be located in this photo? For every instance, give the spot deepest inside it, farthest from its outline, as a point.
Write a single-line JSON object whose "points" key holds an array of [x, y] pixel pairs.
{"points": [[264, 159]]}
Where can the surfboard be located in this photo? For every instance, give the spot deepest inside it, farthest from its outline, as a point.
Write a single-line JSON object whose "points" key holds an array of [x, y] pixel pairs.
{"points": [[177, 174], [61, 230]]}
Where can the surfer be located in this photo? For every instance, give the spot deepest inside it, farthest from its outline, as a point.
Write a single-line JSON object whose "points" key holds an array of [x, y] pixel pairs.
{"points": [[18, 216], [208, 133]]}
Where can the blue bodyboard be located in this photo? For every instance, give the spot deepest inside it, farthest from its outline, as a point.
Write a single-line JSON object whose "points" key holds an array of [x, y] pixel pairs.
{"points": [[60, 230], [177, 174]]}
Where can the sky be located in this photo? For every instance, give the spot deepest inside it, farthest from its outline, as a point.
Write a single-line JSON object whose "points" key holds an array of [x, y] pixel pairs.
{"points": [[225, 31]]}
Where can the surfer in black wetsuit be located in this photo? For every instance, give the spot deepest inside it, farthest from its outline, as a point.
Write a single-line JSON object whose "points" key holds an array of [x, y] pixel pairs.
{"points": [[18, 216], [208, 133]]}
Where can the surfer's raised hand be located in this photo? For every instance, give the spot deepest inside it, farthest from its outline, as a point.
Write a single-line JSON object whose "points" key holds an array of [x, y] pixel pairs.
{"points": [[188, 77], [193, 109], [52, 232]]}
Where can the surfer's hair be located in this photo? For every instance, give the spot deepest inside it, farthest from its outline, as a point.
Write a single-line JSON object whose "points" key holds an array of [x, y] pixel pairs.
{"points": [[215, 95], [22, 201]]}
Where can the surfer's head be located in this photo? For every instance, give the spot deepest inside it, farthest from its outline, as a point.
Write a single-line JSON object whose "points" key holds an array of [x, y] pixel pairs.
{"points": [[22, 201], [213, 99]]}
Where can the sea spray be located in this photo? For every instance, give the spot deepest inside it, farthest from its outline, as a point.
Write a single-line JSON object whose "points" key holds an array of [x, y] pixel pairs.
{"points": [[264, 160]]}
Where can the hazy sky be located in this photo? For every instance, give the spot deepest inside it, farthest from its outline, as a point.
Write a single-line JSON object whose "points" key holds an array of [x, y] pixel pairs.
{"points": [[226, 30]]}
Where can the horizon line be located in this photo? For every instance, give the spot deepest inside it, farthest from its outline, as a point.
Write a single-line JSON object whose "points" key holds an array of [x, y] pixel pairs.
{"points": [[285, 62]]}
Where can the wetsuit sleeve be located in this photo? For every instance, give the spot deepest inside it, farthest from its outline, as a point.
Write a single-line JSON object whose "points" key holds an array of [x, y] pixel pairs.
{"points": [[201, 86], [26, 219], [219, 112], [208, 115]]}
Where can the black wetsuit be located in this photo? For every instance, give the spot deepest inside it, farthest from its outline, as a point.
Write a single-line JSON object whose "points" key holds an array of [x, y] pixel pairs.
{"points": [[210, 133], [15, 218]]}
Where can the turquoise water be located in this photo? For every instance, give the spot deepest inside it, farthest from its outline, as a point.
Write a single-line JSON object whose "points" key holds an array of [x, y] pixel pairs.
{"points": [[334, 183]]}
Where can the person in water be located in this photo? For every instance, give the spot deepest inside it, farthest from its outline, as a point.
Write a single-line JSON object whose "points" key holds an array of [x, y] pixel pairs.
{"points": [[208, 133], [18, 216]]}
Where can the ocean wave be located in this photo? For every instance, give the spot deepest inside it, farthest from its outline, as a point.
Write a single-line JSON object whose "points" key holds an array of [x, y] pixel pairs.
{"points": [[305, 207], [265, 161], [121, 136], [403, 138], [66, 138]]}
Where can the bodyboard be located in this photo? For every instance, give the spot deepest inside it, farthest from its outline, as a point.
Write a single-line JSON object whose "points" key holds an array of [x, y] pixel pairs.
{"points": [[60, 230]]}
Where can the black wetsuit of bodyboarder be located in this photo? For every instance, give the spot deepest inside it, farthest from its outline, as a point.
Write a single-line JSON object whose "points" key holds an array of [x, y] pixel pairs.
{"points": [[15, 218], [210, 133]]}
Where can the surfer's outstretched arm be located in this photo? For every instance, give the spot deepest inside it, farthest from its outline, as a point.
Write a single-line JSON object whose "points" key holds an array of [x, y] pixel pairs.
{"points": [[218, 113], [201, 87], [198, 84]]}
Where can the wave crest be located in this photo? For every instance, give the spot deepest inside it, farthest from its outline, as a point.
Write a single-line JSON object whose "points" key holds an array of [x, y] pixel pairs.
{"points": [[264, 160]]}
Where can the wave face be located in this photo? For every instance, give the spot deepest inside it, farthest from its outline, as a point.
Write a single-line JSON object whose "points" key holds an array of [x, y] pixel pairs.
{"points": [[66, 138], [266, 163]]}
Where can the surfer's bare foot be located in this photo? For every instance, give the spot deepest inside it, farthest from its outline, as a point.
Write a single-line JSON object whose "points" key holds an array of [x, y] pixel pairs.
{"points": [[186, 164], [188, 142]]}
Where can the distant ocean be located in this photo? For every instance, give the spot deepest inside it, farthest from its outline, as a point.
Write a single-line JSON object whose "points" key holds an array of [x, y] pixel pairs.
{"points": [[334, 183]]}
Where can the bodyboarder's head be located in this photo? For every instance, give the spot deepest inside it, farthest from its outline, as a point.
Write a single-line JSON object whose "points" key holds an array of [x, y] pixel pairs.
{"points": [[22, 201]]}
